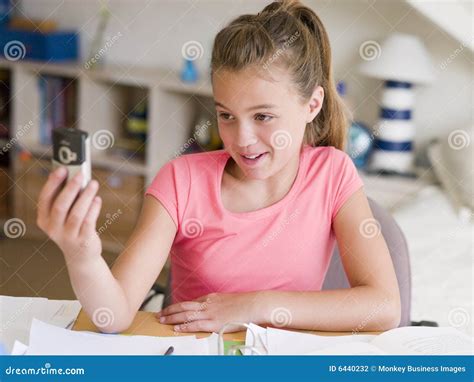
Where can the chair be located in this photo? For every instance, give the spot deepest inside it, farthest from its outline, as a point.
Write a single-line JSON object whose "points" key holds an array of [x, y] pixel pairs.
{"points": [[336, 276]]}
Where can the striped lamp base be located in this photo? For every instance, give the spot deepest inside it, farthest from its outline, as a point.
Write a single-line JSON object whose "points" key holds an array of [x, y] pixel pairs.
{"points": [[394, 133]]}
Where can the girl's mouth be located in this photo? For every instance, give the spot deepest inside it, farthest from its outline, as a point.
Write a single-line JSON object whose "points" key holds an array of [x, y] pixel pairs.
{"points": [[253, 159]]}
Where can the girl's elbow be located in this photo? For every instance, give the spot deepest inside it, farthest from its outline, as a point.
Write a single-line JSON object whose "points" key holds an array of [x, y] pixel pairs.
{"points": [[392, 316], [114, 328]]}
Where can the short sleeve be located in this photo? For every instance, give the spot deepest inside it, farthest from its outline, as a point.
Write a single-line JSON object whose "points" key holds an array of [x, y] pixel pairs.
{"points": [[171, 187], [345, 179]]}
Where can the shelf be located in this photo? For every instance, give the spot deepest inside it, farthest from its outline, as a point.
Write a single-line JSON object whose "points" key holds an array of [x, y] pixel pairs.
{"points": [[145, 77], [106, 97], [131, 166]]}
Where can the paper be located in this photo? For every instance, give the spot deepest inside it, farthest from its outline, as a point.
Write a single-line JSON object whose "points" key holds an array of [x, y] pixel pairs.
{"points": [[424, 340], [285, 342], [259, 342], [412, 340], [350, 348], [48, 339], [19, 348], [17, 314]]}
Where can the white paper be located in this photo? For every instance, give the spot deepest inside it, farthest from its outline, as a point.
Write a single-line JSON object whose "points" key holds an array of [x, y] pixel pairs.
{"points": [[259, 342], [48, 339], [19, 348], [424, 340], [285, 342], [17, 313], [350, 348]]}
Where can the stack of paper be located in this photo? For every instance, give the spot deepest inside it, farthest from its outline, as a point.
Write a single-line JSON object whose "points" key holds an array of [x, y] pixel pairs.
{"points": [[48, 339], [17, 313], [411, 340]]}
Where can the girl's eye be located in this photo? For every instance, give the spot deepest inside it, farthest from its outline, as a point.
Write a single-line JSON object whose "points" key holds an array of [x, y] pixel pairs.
{"points": [[225, 116], [263, 117]]}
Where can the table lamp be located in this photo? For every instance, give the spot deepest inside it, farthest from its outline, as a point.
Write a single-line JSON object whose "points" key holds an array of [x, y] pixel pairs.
{"points": [[402, 62]]}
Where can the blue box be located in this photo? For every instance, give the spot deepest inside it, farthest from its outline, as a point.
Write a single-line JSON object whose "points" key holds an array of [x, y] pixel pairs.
{"points": [[28, 45]]}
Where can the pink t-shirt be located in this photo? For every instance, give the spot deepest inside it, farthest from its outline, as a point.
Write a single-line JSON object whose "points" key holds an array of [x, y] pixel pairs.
{"points": [[285, 246]]}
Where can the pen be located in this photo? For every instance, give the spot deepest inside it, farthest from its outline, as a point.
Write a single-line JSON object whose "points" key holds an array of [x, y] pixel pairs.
{"points": [[169, 351]]}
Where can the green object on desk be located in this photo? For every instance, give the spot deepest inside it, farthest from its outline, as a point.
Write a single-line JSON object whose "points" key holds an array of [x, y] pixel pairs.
{"points": [[228, 344]]}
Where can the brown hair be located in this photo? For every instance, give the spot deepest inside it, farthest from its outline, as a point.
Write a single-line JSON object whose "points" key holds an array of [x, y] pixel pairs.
{"points": [[292, 35]]}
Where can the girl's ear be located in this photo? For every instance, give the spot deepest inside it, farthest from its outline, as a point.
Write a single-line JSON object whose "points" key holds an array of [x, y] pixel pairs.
{"points": [[315, 103]]}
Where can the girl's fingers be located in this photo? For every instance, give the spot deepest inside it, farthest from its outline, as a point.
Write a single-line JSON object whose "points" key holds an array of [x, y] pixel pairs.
{"points": [[90, 220], [197, 326], [63, 202], [181, 307], [48, 192], [183, 317], [81, 207]]}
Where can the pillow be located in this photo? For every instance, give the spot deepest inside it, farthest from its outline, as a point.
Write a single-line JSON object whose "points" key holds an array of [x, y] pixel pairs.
{"points": [[452, 158]]}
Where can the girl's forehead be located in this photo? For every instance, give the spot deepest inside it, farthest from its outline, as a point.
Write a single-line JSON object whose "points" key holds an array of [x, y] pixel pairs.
{"points": [[251, 83]]}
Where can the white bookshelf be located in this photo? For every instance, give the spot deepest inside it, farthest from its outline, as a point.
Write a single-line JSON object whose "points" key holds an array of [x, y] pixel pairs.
{"points": [[103, 97]]}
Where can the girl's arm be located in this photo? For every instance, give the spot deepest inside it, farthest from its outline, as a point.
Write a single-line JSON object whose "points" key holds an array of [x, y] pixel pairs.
{"points": [[110, 298], [373, 301], [371, 304]]}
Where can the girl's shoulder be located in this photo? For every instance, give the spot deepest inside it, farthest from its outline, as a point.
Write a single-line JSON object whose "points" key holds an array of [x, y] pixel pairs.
{"points": [[326, 155]]}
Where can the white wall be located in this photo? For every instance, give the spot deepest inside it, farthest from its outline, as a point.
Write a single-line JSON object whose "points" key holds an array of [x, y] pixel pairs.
{"points": [[153, 32]]}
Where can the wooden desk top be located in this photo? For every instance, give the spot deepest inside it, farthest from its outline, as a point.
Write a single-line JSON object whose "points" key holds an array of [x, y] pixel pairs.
{"points": [[146, 324]]}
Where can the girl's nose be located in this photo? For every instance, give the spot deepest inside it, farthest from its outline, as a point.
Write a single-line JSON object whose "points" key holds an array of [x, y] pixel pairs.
{"points": [[245, 136]]}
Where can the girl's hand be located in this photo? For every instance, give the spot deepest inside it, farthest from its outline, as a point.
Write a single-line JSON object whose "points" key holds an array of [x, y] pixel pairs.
{"points": [[67, 219], [211, 312]]}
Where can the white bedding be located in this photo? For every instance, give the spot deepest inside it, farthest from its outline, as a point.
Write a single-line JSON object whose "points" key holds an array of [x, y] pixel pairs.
{"points": [[441, 256]]}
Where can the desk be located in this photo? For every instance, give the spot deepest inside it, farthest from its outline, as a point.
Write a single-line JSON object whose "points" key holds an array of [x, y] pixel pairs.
{"points": [[146, 324]]}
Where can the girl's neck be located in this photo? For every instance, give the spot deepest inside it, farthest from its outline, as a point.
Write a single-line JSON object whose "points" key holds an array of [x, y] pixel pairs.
{"points": [[269, 190]]}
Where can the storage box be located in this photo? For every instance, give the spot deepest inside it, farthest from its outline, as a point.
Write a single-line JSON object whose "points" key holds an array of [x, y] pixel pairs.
{"points": [[52, 46]]}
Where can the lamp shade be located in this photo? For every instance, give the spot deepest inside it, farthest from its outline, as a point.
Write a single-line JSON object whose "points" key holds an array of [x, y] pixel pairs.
{"points": [[402, 57]]}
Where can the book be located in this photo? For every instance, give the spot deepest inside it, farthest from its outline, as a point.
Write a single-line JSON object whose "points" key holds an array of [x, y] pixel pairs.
{"points": [[409, 340]]}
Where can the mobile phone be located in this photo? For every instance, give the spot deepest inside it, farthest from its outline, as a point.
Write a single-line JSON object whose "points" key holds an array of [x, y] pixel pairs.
{"points": [[71, 149]]}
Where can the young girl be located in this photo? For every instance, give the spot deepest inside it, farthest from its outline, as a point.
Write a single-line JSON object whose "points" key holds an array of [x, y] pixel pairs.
{"points": [[250, 228]]}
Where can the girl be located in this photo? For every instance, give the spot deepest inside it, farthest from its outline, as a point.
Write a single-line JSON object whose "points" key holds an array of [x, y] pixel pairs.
{"points": [[250, 228]]}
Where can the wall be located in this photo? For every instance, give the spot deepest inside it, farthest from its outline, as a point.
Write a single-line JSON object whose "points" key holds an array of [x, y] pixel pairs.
{"points": [[152, 33]]}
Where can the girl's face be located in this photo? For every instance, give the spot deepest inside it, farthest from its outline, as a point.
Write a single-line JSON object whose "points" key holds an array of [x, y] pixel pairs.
{"points": [[262, 121]]}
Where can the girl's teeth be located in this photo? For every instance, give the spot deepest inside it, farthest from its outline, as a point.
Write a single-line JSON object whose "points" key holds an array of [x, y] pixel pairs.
{"points": [[252, 157]]}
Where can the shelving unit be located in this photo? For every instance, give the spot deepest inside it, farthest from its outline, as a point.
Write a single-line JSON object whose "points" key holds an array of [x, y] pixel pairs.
{"points": [[105, 96]]}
